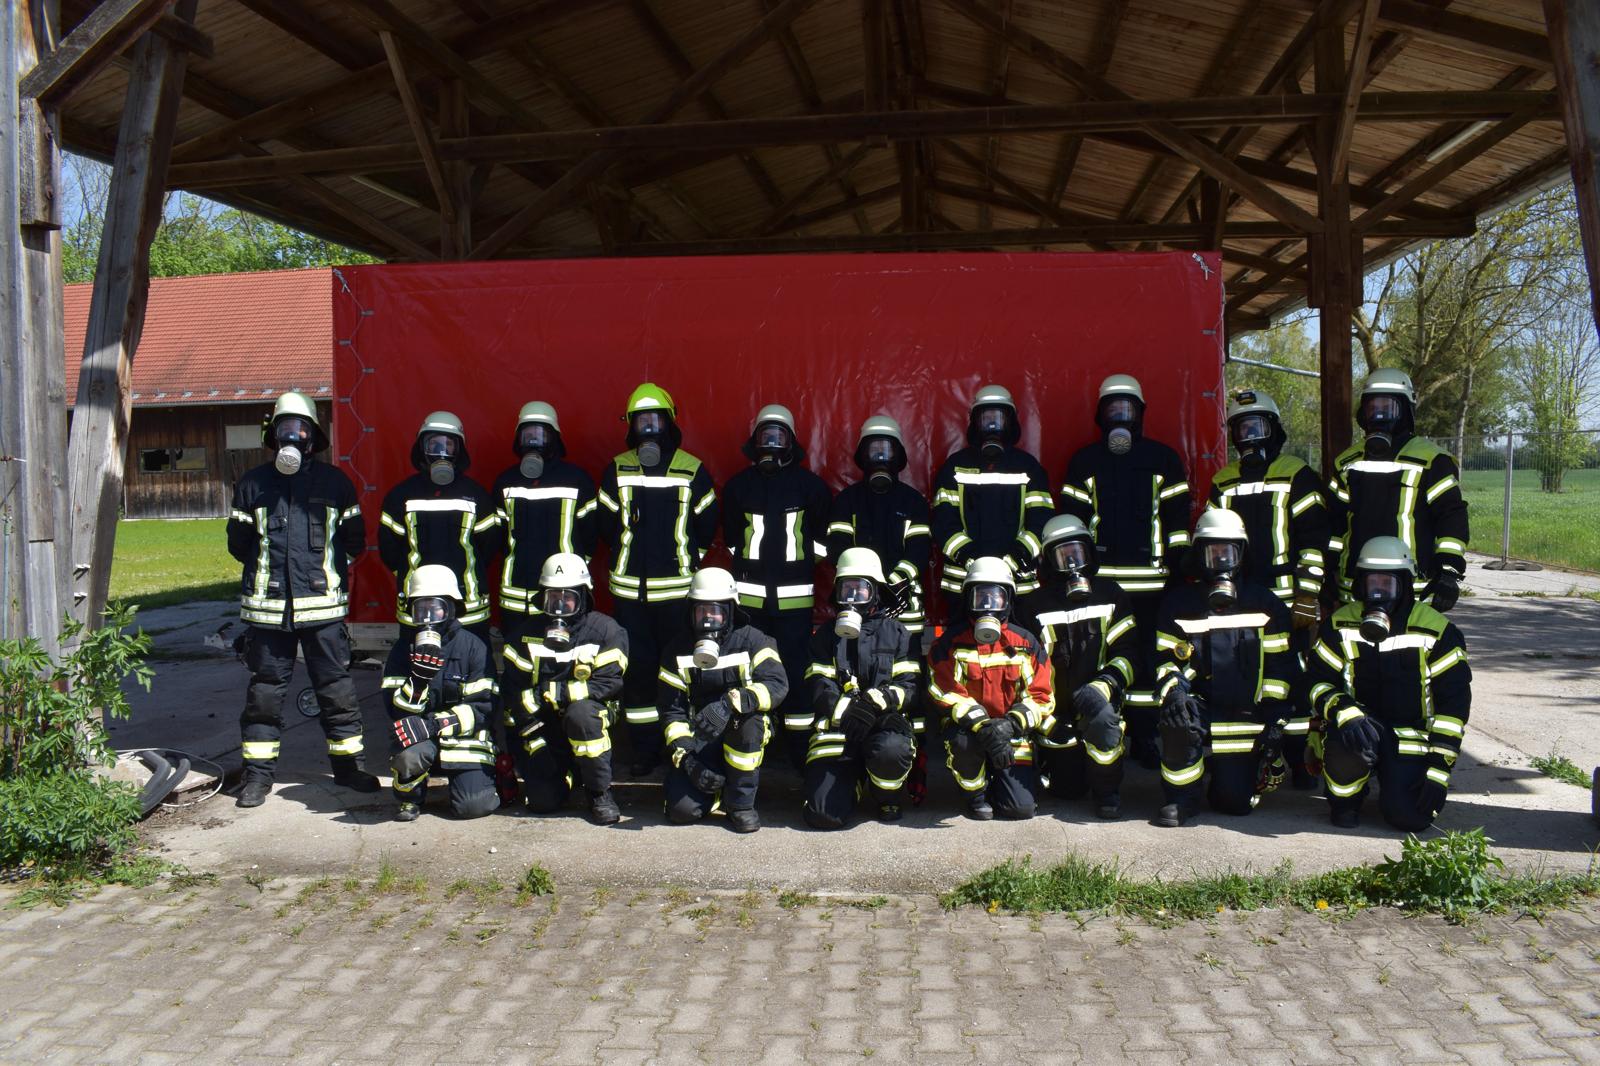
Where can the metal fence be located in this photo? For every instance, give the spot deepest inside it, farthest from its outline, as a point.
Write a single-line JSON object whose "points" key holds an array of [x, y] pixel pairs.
{"points": [[1532, 497]]}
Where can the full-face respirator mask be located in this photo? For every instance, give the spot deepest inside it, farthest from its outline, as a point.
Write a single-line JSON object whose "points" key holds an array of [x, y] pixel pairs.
{"points": [[439, 451], [988, 604], [650, 429], [854, 598], [533, 440], [293, 439], [992, 423], [1219, 560], [709, 620], [1072, 560]]}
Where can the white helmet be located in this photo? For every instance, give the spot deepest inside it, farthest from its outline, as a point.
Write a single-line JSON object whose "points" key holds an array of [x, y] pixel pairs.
{"points": [[860, 562], [989, 570], [565, 570], [1062, 527], [774, 412], [880, 425], [538, 411], [1386, 553], [712, 585], [1251, 402], [1217, 523], [1390, 382], [433, 580], [993, 396], [1122, 385]]}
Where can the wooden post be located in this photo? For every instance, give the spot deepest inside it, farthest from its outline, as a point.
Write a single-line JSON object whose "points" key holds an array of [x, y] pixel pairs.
{"points": [[1334, 285], [96, 449], [454, 121], [1574, 29]]}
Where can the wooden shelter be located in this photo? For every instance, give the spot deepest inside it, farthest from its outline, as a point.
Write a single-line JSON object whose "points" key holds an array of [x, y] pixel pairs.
{"points": [[1301, 139]]}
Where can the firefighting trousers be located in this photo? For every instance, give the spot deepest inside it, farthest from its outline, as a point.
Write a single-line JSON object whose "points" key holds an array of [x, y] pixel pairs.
{"points": [[1013, 791], [1140, 707], [472, 793], [839, 773], [270, 654], [737, 758], [791, 631], [1082, 756], [572, 743], [1401, 777], [1233, 762], [650, 628]]}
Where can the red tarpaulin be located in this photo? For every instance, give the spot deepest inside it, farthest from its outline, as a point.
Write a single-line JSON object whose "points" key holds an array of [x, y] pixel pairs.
{"points": [[835, 337]]}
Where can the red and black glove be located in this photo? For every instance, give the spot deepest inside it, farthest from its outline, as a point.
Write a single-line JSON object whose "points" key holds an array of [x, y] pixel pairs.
{"points": [[415, 728]]}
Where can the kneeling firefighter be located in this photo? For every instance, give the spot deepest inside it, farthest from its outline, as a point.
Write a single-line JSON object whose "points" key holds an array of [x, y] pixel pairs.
{"points": [[1224, 673], [441, 695], [995, 680], [1086, 625], [719, 682], [1392, 691], [569, 669], [862, 682]]}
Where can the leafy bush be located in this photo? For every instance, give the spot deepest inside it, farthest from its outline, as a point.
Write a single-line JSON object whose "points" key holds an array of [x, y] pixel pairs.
{"points": [[1452, 875], [68, 819]]}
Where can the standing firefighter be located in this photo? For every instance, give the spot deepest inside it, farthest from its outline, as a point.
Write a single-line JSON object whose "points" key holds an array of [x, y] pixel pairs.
{"points": [[1397, 484], [569, 667], [295, 527], [439, 516], [1087, 630], [718, 681], [1133, 495], [775, 516], [1391, 684], [862, 683], [885, 514], [990, 498], [994, 679], [658, 515], [440, 693], [1280, 500], [1225, 672]]}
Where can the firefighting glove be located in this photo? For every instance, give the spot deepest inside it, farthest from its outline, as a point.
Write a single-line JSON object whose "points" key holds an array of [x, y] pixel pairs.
{"points": [[700, 775], [859, 716], [1361, 736], [1431, 801], [1445, 589], [425, 666], [712, 720], [1089, 702], [415, 728], [1271, 768], [1305, 610], [1178, 709], [529, 732], [996, 736]]}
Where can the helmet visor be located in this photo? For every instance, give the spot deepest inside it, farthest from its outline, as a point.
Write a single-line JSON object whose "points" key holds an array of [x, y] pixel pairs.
{"points": [[531, 435], [1069, 556], [1380, 409], [1251, 429], [292, 430], [988, 598], [880, 451], [854, 591], [772, 436], [561, 603], [710, 617], [650, 423], [431, 610], [1221, 556], [440, 445], [1120, 411], [993, 419], [1380, 586]]}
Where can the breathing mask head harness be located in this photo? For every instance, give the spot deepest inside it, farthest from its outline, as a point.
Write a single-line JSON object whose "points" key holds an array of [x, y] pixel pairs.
{"points": [[534, 440], [1072, 560], [562, 607], [989, 605], [1219, 563], [880, 458], [992, 423], [440, 452], [1119, 417], [774, 447], [1384, 417], [650, 430], [854, 598], [1382, 594], [293, 439], [709, 622]]}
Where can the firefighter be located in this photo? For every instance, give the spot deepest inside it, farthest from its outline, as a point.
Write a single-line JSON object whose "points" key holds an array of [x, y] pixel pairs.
{"points": [[1133, 494], [719, 681], [862, 683], [775, 519], [570, 665], [441, 694], [885, 514], [1086, 628], [990, 498], [441, 516], [1286, 519], [1225, 673], [544, 505], [1392, 691], [994, 679], [1397, 484], [295, 526], [658, 516]]}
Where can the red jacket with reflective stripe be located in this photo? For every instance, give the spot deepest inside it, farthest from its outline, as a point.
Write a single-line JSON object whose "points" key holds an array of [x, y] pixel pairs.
{"points": [[975, 681]]}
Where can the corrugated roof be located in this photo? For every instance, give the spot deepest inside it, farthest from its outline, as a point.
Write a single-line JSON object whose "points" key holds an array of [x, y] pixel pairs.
{"points": [[223, 338]]}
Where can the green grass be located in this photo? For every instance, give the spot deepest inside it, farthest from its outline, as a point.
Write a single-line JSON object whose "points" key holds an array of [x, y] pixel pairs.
{"points": [[160, 563], [1454, 875], [1561, 768], [1558, 528]]}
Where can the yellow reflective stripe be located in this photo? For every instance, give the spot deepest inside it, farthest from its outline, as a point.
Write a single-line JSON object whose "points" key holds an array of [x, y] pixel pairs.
{"points": [[1449, 544], [677, 731], [1104, 757], [1344, 791], [824, 751], [741, 760], [764, 697], [1443, 723], [1273, 642], [1438, 776], [485, 684], [1075, 493], [1444, 486], [1274, 689], [641, 715], [591, 749], [765, 655], [610, 656], [1329, 656], [1232, 747], [989, 659], [904, 666], [393, 524], [888, 784], [1174, 489], [577, 690], [1347, 715], [667, 677], [261, 749], [1228, 729], [1187, 775], [1446, 661], [705, 501], [346, 746], [821, 670]]}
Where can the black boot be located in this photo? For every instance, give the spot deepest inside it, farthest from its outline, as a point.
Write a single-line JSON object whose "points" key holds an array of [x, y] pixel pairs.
{"points": [[603, 808], [347, 773], [1345, 817], [978, 808], [889, 812], [1176, 814], [744, 820], [257, 786], [1108, 806], [407, 812]]}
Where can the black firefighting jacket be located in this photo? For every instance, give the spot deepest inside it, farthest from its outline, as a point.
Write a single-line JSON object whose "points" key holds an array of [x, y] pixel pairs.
{"points": [[464, 687], [774, 528], [982, 508], [748, 672], [1136, 506], [880, 664], [538, 518], [896, 525], [1090, 641], [657, 524], [1286, 519], [453, 525], [1415, 496], [295, 536], [592, 668]]}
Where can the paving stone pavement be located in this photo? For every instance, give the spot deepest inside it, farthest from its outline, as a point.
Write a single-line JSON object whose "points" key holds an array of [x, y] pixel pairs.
{"points": [[338, 971]]}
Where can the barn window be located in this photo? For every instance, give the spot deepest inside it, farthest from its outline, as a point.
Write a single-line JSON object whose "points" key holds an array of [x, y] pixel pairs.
{"points": [[172, 461]]}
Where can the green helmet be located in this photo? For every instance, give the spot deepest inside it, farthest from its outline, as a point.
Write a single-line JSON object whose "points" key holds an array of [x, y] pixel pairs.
{"points": [[651, 397], [294, 405], [1252, 402], [1390, 382], [860, 562], [1122, 385], [1386, 553], [441, 422]]}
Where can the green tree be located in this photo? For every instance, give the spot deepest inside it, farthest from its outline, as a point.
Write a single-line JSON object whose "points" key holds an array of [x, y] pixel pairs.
{"points": [[1299, 398]]}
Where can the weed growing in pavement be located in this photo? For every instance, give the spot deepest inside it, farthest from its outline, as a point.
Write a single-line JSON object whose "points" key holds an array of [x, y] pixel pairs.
{"points": [[1560, 768], [789, 899], [388, 875], [537, 882], [1454, 875]]}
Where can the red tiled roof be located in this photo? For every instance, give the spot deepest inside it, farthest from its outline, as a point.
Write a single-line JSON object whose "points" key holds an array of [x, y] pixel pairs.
{"points": [[223, 338]]}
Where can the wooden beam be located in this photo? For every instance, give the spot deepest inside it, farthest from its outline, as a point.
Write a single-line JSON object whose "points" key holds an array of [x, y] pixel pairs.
{"points": [[419, 127], [98, 443], [1443, 169], [1100, 53], [109, 28], [1479, 37], [305, 25], [1574, 27], [773, 222], [1355, 80]]}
